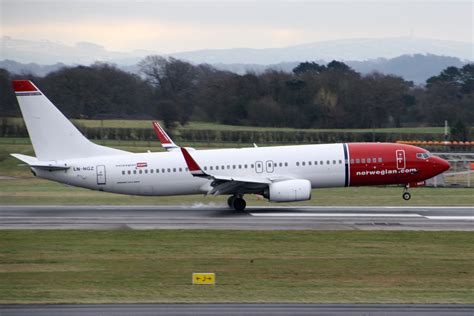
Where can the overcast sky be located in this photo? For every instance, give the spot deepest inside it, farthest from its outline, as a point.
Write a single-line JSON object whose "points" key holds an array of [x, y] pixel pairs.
{"points": [[173, 26]]}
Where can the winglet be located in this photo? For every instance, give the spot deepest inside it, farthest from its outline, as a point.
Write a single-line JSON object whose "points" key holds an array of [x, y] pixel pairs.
{"points": [[165, 140], [193, 167], [24, 87]]}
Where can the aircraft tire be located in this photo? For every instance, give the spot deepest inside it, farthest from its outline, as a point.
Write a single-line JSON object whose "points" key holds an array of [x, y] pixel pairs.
{"points": [[239, 204], [406, 196]]}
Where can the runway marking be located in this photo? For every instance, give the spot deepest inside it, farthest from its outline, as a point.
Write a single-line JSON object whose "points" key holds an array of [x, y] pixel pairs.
{"points": [[357, 207], [467, 218], [333, 215]]}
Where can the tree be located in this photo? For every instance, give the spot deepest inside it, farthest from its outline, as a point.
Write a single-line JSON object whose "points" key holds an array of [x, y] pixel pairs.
{"points": [[339, 66], [100, 90], [459, 131], [8, 104], [308, 67], [175, 82]]}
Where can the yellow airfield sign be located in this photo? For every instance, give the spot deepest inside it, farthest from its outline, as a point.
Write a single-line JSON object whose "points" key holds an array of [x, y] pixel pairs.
{"points": [[204, 278]]}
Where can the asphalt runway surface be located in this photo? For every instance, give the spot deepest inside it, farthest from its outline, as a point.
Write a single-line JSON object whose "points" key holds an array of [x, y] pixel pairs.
{"points": [[199, 216], [238, 309]]}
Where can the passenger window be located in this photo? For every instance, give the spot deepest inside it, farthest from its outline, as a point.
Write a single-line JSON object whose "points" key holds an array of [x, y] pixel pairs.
{"points": [[309, 163], [274, 164], [340, 162], [352, 161], [146, 170], [368, 160], [169, 170], [380, 159], [357, 160], [245, 166], [222, 167], [334, 162], [157, 170], [315, 163], [140, 171], [163, 170], [233, 166], [321, 162], [151, 170], [217, 167], [134, 171], [303, 163], [286, 164], [280, 164], [186, 169], [123, 172], [210, 168], [128, 172], [240, 166], [174, 169], [205, 167], [328, 162], [297, 164], [252, 166], [363, 160], [180, 169]]}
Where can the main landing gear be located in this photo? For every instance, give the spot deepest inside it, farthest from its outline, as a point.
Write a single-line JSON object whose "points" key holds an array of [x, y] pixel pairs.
{"points": [[237, 202], [406, 195]]}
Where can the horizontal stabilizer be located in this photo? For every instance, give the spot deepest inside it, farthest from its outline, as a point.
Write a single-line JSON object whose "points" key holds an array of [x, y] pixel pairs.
{"points": [[35, 163]]}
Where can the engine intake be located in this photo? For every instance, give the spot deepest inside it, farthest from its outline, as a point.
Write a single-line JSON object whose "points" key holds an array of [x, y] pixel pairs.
{"points": [[289, 191]]}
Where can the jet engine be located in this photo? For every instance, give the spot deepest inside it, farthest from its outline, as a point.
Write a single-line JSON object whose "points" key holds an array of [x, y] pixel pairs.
{"points": [[289, 191]]}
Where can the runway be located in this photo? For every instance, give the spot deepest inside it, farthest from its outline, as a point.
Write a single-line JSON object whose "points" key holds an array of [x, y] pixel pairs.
{"points": [[239, 309], [200, 216]]}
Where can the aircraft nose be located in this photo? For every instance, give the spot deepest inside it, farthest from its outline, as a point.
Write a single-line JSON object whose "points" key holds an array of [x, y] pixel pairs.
{"points": [[441, 165]]}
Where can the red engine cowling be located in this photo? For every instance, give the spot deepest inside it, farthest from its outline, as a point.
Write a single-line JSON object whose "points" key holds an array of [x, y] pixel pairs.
{"points": [[289, 191]]}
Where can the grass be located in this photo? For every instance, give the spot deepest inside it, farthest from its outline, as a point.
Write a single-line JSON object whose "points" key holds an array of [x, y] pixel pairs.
{"points": [[277, 266], [215, 126]]}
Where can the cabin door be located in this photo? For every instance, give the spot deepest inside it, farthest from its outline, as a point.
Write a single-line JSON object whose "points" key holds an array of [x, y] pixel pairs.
{"points": [[100, 174]]}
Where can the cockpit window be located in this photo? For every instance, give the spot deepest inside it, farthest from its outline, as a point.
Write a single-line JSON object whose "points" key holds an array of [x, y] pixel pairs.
{"points": [[423, 155]]}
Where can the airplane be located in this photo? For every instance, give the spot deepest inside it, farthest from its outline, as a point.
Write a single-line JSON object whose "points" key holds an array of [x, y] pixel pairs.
{"points": [[279, 173]]}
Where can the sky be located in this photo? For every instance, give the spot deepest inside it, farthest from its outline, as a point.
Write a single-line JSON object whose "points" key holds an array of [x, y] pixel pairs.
{"points": [[173, 26]]}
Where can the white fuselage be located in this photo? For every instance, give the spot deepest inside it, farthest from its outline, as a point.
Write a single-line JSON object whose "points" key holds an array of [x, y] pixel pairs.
{"points": [[166, 173]]}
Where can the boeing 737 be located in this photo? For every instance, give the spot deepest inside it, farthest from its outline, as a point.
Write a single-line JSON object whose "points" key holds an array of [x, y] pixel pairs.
{"points": [[280, 173]]}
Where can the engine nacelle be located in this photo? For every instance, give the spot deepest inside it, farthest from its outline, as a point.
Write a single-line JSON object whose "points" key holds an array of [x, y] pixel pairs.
{"points": [[289, 191]]}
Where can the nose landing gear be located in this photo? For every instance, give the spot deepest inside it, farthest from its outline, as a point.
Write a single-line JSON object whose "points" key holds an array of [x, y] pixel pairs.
{"points": [[406, 195], [236, 202]]}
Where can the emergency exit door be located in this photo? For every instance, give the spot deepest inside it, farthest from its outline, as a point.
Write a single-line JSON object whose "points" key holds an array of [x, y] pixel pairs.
{"points": [[401, 163]]}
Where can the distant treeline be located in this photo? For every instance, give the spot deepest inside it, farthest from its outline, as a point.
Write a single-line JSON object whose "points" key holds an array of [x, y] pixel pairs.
{"points": [[210, 136], [313, 96]]}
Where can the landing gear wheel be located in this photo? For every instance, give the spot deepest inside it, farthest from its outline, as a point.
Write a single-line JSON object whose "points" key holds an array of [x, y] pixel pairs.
{"points": [[406, 196], [230, 201], [239, 204]]}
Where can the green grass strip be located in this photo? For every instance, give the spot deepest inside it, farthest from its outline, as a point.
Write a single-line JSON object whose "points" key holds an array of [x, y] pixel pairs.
{"points": [[251, 266]]}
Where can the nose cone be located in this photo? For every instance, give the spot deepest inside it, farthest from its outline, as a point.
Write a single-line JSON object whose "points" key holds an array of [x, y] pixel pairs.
{"points": [[440, 165]]}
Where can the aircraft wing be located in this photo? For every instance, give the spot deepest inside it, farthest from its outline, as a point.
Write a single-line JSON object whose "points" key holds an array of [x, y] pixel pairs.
{"points": [[35, 163], [226, 184]]}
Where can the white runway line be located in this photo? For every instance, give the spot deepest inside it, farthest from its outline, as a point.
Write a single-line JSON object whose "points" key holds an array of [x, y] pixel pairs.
{"points": [[462, 218], [333, 215]]}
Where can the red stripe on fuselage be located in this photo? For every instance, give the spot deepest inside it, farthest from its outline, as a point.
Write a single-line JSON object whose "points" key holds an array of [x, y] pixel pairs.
{"points": [[386, 163]]}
